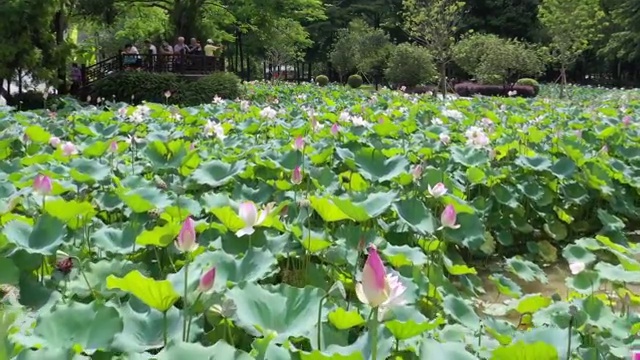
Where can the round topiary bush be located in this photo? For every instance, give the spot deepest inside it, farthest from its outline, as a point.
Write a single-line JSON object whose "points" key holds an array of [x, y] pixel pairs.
{"points": [[530, 82], [355, 81], [322, 80]]}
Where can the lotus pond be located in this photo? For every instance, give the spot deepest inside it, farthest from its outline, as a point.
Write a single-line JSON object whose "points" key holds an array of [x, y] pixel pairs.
{"points": [[322, 223]]}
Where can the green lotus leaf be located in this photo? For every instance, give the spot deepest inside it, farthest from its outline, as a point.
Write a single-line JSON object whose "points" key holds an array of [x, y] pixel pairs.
{"points": [[282, 309], [43, 238], [433, 350], [461, 312], [114, 240], [220, 351], [531, 303], [616, 273], [374, 166], [343, 319], [526, 270], [537, 163], [255, 265], [96, 275], [413, 213], [520, 350], [399, 256], [328, 210], [585, 282], [360, 349], [9, 272], [73, 213], [143, 328], [89, 171], [506, 286], [37, 134], [469, 156], [228, 217], [576, 253], [143, 199], [160, 236], [216, 173], [90, 326], [158, 294]]}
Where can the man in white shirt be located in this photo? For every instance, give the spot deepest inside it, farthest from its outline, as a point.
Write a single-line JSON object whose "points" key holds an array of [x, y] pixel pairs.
{"points": [[152, 51]]}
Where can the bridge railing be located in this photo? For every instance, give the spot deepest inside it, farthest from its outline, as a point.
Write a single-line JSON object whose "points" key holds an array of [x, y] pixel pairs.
{"points": [[181, 64]]}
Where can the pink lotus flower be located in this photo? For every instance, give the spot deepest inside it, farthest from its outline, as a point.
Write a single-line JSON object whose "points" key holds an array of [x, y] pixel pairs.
{"points": [[335, 129], [416, 172], [251, 217], [296, 176], [438, 190], [378, 288], [69, 149], [448, 218], [207, 280], [445, 139], [54, 142], [42, 184], [113, 147], [186, 241], [627, 120], [298, 143]]}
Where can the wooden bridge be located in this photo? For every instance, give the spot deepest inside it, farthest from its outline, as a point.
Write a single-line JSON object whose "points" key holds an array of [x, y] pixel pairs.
{"points": [[188, 65]]}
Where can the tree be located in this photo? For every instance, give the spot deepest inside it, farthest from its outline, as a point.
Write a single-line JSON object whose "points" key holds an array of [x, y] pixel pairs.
{"points": [[506, 18], [288, 39], [572, 25], [26, 43], [361, 48], [433, 23], [492, 59], [410, 65]]}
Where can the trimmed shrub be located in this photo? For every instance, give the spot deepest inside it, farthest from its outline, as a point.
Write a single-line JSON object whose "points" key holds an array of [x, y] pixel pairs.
{"points": [[203, 90], [530, 82], [410, 65], [322, 80], [355, 81], [33, 100], [136, 86], [470, 89]]}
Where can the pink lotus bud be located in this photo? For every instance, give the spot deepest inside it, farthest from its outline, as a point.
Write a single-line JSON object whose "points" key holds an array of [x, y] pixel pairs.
{"points": [[438, 190], [296, 176], [335, 129], [69, 149], [627, 120], [186, 240], [448, 218], [42, 184], [374, 278], [207, 280], [113, 147], [298, 143], [416, 172], [54, 142]]}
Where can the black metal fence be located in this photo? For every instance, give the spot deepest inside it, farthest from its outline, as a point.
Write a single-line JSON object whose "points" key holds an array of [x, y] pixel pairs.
{"points": [[180, 64]]}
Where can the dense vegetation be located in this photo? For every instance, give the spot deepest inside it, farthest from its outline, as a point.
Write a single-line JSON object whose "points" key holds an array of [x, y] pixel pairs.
{"points": [[574, 40], [261, 228]]}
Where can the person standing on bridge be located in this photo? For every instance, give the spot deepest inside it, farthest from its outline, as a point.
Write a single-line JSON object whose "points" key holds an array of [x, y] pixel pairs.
{"points": [[179, 50]]}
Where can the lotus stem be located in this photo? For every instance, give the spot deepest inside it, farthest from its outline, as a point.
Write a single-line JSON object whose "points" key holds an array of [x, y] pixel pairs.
{"points": [[374, 334], [319, 337], [191, 317], [164, 330], [184, 300]]}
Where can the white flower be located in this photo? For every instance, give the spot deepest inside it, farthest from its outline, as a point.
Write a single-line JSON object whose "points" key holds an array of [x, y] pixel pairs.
{"points": [[437, 190], [445, 139], [217, 100], [453, 114], [68, 149], [345, 117], [358, 121], [512, 93], [251, 217], [476, 137], [436, 121], [213, 127], [54, 141], [244, 105], [577, 267], [268, 113]]}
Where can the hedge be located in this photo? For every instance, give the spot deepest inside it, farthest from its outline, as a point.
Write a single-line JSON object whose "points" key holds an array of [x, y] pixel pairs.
{"points": [[470, 89], [33, 100], [136, 86]]}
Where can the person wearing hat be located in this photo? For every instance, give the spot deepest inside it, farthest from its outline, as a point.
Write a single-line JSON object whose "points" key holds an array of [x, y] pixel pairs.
{"points": [[210, 49]]}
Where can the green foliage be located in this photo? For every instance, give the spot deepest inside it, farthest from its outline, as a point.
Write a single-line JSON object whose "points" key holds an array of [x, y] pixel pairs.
{"points": [[434, 23], [529, 82], [494, 60], [287, 42], [573, 26], [151, 87], [354, 81], [322, 80], [410, 65], [30, 100], [225, 85], [361, 48]]}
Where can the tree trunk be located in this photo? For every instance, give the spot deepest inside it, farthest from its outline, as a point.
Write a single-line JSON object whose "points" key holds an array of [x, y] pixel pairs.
{"points": [[563, 80], [443, 79], [59, 28]]}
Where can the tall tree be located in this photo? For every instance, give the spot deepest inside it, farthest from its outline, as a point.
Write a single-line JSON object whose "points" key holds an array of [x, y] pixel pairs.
{"points": [[434, 23], [572, 25]]}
